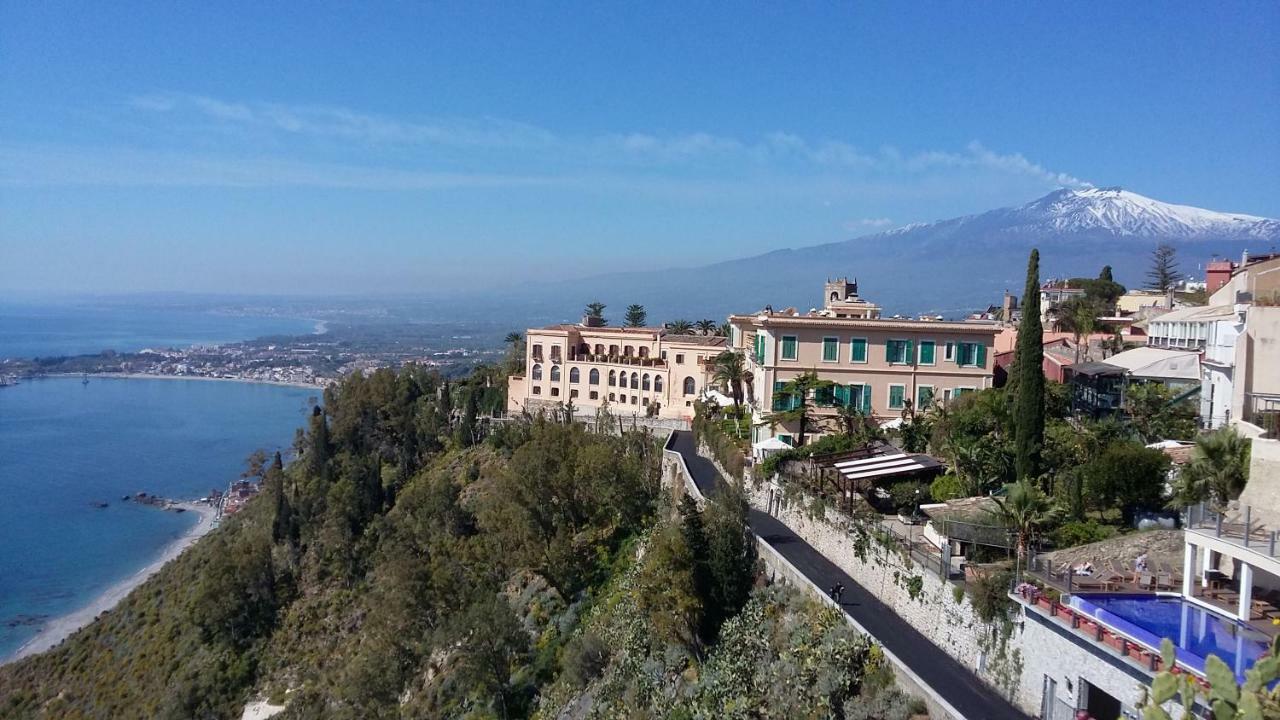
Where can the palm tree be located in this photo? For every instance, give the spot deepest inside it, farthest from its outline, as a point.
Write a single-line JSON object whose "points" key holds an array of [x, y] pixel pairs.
{"points": [[798, 390], [515, 353], [680, 327], [1218, 470], [636, 316], [724, 329], [1080, 316], [731, 371], [1024, 510], [512, 338], [706, 327]]}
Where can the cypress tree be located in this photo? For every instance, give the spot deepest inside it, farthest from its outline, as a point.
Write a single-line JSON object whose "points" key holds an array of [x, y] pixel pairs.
{"points": [[1029, 399]]}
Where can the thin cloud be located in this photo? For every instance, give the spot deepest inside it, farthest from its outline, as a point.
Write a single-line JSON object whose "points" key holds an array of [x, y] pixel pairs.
{"points": [[608, 150], [868, 224]]}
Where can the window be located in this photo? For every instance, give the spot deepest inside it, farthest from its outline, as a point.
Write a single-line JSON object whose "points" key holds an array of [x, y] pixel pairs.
{"points": [[824, 396], [759, 348], [593, 377], [927, 352], [635, 381], [573, 393], [664, 355], [858, 350], [628, 351], [612, 397], [537, 352], [537, 390], [633, 399], [537, 372], [555, 373], [950, 353], [896, 395], [783, 400], [657, 383], [599, 349], [788, 347], [924, 396], [644, 382], [555, 353], [613, 351], [680, 358], [574, 375], [971, 355], [898, 352], [786, 439], [594, 395], [830, 349], [644, 401], [555, 392], [690, 387]]}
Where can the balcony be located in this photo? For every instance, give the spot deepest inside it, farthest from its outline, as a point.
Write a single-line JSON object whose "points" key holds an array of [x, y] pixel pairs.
{"points": [[1263, 410], [631, 360]]}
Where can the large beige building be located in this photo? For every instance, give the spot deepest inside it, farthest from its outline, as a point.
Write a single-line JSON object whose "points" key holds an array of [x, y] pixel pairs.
{"points": [[635, 371], [878, 364]]}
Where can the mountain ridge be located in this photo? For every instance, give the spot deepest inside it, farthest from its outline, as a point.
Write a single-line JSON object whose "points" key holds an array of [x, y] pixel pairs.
{"points": [[949, 266]]}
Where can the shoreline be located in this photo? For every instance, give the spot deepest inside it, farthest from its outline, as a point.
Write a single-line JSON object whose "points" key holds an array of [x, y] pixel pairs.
{"points": [[148, 376], [60, 628]]}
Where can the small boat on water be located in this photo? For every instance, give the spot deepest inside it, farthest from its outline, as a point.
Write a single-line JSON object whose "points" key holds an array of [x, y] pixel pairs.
{"points": [[84, 380], [99, 504]]}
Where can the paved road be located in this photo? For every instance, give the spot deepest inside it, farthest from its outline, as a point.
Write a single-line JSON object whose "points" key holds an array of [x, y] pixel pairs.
{"points": [[966, 693]]}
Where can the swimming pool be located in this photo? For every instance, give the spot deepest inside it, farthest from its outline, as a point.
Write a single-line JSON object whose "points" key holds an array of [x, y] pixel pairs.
{"points": [[1196, 633]]}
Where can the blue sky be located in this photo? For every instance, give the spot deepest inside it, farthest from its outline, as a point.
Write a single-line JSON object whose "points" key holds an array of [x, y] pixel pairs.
{"points": [[404, 147]]}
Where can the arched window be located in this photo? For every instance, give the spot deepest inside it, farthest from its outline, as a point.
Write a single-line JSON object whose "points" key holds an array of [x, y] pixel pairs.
{"points": [[593, 377], [689, 386], [644, 351], [834, 297], [574, 375], [613, 378], [537, 372], [635, 381], [555, 373], [645, 382], [657, 383]]}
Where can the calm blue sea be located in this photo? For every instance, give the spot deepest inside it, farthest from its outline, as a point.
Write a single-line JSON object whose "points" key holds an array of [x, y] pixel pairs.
{"points": [[48, 330], [65, 445]]}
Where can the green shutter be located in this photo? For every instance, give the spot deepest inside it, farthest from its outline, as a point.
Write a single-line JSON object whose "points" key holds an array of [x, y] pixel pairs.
{"points": [[909, 356], [926, 352], [866, 399], [888, 351], [788, 347], [830, 349], [982, 356], [858, 350], [951, 351], [841, 394], [896, 393], [924, 396]]}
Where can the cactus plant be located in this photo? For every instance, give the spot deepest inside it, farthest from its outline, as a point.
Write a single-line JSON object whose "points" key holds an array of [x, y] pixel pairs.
{"points": [[1225, 697]]}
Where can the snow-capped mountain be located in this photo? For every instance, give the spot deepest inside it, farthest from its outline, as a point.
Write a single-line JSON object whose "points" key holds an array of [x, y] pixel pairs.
{"points": [[1124, 213], [956, 265]]}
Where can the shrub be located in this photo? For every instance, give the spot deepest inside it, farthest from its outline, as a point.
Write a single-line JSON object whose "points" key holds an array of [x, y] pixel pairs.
{"points": [[946, 487], [585, 657], [726, 449], [990, 595], [1081, 533], [905, 496]]}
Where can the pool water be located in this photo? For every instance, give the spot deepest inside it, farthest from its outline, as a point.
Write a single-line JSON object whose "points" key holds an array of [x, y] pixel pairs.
{"points": [[1196, 633]]}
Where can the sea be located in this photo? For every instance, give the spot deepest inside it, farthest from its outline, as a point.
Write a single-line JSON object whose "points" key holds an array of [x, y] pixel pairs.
{"points": [[32, 329], [67, 446]]}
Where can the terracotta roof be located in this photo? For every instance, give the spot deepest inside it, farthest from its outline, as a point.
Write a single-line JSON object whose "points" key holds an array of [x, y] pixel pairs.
{"points": [[887, 323]]}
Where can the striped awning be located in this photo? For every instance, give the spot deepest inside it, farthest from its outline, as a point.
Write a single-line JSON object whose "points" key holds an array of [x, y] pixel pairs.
{"points": [[885, 466]]}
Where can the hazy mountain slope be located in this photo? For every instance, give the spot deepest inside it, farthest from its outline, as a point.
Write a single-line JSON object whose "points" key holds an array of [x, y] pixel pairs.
{"points": [[949, 266]]}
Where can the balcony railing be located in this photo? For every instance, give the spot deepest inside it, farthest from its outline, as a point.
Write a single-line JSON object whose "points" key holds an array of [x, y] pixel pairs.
{"points": [[1238, 528], [618, 360], [1263, 410]]}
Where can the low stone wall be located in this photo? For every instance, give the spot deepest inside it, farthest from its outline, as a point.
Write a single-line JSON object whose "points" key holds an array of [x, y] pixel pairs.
{"points": [[675, 474]]}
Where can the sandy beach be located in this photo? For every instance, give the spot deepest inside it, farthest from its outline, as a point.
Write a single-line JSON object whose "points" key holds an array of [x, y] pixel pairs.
{"points": [[59, 628]]}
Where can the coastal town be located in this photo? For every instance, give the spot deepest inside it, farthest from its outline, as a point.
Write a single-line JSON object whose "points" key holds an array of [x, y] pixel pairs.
{"points": [[872, 419]]}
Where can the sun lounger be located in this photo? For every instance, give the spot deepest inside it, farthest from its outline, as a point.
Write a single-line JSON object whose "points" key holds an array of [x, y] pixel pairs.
{"points": [[1164, 581], [1145, 581]]}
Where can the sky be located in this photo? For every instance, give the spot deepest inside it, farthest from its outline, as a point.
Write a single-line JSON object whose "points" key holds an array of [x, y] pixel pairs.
{"points": [[412, 147]]}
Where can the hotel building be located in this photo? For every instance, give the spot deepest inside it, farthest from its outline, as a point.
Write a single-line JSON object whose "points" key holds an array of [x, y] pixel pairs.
{"points": [[635, 371], [877, 364]]}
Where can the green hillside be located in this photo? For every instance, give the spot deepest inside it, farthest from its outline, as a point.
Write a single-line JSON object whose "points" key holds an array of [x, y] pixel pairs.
{"points": [[415, 562]]}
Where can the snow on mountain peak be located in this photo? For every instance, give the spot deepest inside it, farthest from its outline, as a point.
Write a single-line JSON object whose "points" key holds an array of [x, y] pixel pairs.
{"points": [[1121, 212]]}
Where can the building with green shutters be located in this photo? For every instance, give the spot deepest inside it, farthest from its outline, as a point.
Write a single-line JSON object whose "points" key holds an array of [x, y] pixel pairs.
{"points": [[877, 365]]}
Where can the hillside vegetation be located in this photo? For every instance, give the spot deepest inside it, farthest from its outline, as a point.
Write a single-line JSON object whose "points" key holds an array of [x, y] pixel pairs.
{"points": [[412, 564]]}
